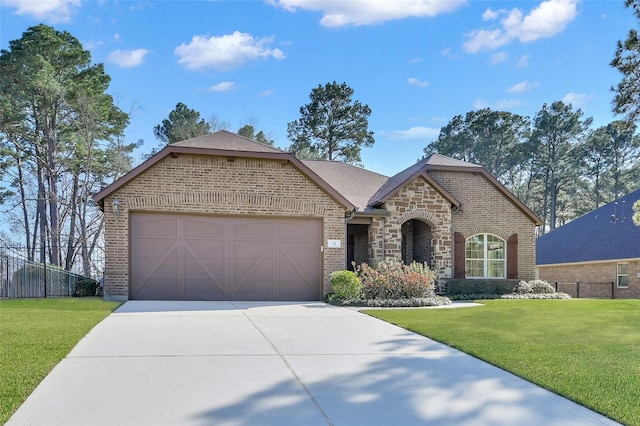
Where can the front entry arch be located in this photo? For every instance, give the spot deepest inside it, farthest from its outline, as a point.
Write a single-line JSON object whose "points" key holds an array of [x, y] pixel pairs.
{"points": [[417, 242]]}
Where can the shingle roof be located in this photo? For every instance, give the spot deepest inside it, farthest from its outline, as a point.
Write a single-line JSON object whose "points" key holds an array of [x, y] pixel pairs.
{"points": [[607, 233], [226, 141], [354, 183]]}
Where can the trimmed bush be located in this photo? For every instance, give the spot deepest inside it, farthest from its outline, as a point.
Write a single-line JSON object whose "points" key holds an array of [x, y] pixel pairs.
{"points": [[87, 288], [391, 279], [536, 289], [346, 285], [533, 287], [398, 303], [480, 286]]}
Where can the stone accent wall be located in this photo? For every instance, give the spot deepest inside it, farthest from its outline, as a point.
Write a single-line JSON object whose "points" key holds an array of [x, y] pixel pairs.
{"points": [[567, 275], [416, 201], [213, 185], [485, 209]]}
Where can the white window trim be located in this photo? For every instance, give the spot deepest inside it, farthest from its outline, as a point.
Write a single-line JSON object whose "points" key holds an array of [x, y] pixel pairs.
{"points": [[486, 258], [618, 275]]}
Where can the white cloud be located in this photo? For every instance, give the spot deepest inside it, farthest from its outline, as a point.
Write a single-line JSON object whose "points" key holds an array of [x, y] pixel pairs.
{"points": [[414, 133], [266, 93], [523, 62], [485, 40], [367, 12], [498, 58], [418, 83], [223, 86], [128, 58], [225, 52], [577, 100], [548, 19], [50, 10], [523, 86], [490, 15]]}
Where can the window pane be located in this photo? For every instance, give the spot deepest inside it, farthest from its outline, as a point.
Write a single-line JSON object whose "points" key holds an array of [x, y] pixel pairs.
{"points": [[623, 281], [496, 269], [623, 269], [474, 268], [475, 247]]}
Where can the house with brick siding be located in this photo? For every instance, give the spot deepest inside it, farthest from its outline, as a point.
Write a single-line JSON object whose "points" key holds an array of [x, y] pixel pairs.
{"points": [[221, 217], [595, 250]]}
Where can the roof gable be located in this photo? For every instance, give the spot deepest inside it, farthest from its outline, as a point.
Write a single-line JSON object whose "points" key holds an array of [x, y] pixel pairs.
{"points": [[222, 143], [607, 233], [226, 141]]}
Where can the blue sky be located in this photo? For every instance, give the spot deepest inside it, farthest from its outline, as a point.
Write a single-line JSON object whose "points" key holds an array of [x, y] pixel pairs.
{"points": [[415, 63]]}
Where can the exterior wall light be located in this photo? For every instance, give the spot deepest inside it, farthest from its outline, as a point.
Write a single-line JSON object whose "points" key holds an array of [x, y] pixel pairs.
{"points": [[116, 207]]}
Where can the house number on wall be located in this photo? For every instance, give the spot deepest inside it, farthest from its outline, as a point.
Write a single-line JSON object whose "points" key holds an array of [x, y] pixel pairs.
{"points": [[333, 243]]}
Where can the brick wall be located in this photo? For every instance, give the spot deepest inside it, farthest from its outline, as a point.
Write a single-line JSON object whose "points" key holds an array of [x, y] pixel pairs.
{"points": [[596, 272], [485, 209], [204, 184]]}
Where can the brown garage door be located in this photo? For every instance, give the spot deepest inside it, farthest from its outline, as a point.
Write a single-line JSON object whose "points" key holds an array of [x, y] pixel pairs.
{"points": [[182, 257]]}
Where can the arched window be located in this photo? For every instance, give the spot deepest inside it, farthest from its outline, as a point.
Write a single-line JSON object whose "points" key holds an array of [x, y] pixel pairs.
{"points": [[485, 256]]}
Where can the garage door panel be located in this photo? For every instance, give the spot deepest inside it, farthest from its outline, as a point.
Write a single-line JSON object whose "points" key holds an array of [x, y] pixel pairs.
{"points": [[251, 231], [203, 229], [218, 258], [202, 289], [156, 226]]}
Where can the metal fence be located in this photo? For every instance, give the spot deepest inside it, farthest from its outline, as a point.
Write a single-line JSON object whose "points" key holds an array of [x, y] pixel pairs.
{"points": [[21, 278], [579, 289]]}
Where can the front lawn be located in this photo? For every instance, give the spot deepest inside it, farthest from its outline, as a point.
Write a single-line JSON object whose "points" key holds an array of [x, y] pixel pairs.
{"points": [[35, 334], [585, 350]]}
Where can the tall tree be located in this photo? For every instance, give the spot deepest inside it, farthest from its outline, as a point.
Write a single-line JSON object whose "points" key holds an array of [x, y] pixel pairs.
{"points": [[557, 130], [183, 123], [249, 132], [332, 126], [59, 108], [490, 138], [627, 60]]}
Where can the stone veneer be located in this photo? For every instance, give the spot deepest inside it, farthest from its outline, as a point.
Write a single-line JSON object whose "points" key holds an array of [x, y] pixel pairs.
{"points": [[216, 185], [417, 200]]}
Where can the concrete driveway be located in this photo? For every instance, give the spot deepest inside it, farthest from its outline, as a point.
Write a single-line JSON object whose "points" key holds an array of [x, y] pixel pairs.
{"points": [[261, 363]]}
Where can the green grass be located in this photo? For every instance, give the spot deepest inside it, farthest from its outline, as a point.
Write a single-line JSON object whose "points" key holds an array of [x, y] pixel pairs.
{"points": [[585, 350], [35, 334]]}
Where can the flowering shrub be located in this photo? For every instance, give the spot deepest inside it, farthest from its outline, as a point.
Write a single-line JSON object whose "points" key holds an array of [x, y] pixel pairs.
{"points": [[346, 285], [536, 289], [533, 287], [558, 295], [392, 279]]}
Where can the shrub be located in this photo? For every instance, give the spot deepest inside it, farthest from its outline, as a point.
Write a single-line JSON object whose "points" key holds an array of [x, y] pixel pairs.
{"points": [[86, 288], [480, 286], [397, 303], [558, 295], [392, 279], [536, 289], [346, 285], [533, 287]]}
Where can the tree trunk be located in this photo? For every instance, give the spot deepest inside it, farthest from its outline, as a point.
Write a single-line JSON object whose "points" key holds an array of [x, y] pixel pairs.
{"points": [[68, 264], [53, 195]]}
